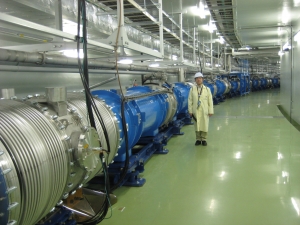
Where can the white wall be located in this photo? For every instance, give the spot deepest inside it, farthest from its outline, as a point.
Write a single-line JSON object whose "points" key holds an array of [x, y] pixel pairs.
{"points": [[290, 78]]}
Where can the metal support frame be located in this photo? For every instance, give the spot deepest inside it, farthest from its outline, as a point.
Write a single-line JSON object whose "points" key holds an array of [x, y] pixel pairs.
{"points": [[122, 37], [47, 30], [218, 54], [161, 29], [61, 215], [46, 47], [203, 50], [152, 145], [58, 18], [181, 41], [211, 52], [194, 46], [37, 27], [181, 75]]}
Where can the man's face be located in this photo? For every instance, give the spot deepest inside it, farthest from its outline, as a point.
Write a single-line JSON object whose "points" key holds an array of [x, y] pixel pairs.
{"points": [[199, 80]]}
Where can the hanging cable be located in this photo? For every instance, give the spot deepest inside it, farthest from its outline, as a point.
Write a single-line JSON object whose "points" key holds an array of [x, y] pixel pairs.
{"points": [[92, 107], [123, 101]]}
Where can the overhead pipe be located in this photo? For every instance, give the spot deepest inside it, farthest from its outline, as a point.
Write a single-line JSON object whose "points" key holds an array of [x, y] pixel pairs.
{"points": [[258, 51], [40, 58], [10, 68]]}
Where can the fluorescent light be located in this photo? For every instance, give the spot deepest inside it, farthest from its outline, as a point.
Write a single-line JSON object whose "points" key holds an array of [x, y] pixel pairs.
{"points": [[199, 11], [73, 53], [154, 65], [286, 47], [207, 12], [125, 61], [211, 27], [195, 10], [280, 53], [297, 36], [285, 16], [221, 40]]}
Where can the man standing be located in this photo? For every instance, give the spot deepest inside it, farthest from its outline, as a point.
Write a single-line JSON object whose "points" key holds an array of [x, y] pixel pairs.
{"points": [[200, 106]]}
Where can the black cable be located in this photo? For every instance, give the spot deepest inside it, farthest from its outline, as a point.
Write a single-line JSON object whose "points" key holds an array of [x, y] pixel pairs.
{"points": [[85, 84], [91, 105], [168, 84], [85, 66]]}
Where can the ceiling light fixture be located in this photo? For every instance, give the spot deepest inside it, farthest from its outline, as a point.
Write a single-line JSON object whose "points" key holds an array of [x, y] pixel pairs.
{"points": [[211, 27], [73, 53], [154, 65], [174, 57], [285, 16], [201, 10], [125, 61], [286, 47], [221, 40]]}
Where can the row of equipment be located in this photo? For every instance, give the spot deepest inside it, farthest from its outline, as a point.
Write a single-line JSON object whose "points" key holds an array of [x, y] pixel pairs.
{"points": [[49, 153]]}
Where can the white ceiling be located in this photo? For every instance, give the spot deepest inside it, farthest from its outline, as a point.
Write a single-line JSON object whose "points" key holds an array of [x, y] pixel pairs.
{"points": [[256, 21]]}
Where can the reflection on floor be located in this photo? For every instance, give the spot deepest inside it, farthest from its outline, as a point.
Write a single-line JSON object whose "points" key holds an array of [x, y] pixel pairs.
{"points": [[249, 174]]}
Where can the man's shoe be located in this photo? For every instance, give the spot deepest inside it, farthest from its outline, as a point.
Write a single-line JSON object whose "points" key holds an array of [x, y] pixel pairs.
{"points": [[198, 142], [204, 143]]}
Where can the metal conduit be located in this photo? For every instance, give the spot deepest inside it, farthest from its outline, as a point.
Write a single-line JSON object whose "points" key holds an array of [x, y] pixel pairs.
{"points": [[39, 58], [10, 68]]}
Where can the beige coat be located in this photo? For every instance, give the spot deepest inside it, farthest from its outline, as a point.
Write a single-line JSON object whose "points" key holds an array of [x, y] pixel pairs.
{"points": [[206, 107]]}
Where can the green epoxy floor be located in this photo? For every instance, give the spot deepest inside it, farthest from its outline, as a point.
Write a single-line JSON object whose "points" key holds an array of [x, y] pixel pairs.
{"points": [[249, 174]]}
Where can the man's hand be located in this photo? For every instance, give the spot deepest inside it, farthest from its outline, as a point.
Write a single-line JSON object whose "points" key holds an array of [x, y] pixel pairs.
{"points": [[210, 115], [191, 114]]}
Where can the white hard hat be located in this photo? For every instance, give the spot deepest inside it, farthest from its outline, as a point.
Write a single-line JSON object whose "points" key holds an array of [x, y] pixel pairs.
{"points": [[198, 75]]}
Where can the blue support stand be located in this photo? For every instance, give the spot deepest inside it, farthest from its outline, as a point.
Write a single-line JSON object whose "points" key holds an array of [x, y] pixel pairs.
{"points": [[216, 101], [151, 145], [60, 216]]}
